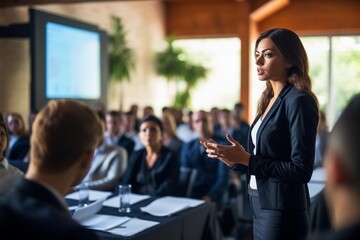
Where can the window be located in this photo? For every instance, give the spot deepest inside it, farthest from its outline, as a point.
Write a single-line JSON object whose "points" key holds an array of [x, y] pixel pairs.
{"points": [[334, 64], [222, 56]]}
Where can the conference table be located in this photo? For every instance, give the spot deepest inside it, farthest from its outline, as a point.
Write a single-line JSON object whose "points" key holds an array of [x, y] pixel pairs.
{"points": [[193, 223]]}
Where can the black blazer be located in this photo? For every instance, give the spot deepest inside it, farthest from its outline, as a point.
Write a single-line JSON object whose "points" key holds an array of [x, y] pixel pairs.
{"points": [[31, 211], [285, 150], [20, 149], [162, 178]]}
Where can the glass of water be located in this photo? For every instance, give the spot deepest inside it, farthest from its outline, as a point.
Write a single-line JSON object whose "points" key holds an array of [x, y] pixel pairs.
{"points": [[124, 198], [83, 189]]}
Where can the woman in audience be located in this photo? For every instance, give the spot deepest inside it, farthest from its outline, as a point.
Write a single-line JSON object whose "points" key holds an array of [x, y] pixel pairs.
{"points": [[153, 170], [8, 173], [19, 142], [281, 150], [170, 138]]}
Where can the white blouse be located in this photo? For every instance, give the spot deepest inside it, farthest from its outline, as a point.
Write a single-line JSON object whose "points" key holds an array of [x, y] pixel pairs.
{"points": [[254, 131]]}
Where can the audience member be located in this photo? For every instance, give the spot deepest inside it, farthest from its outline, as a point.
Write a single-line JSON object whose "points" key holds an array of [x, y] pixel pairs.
{"points": [[108, 164], [241, 127], [134, 109], [147, 111], [227, 126], [153, 170], [128, 128], [185, 131], [322, 135], [342, 167], [113, 136], [214, 113], [212, 177], [280, 157], [170, 138], [65, 135], [19, 143], [8, 173]]}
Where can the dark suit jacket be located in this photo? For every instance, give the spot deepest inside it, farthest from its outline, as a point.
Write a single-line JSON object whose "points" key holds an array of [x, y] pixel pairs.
{"points": [[160, 180], [126, 143], [285, 146], [212, 177], [31, 211], [20, 149]]}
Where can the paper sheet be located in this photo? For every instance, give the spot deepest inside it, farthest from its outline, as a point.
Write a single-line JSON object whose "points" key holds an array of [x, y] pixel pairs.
{"points": [[86, 211], [132, 227], [134, 198], [166, 206], [103, 222], [93, 195]]}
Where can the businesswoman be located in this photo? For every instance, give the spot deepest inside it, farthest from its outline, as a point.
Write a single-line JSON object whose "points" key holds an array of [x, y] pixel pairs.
{"points": [[280, 156], [153, 170]]}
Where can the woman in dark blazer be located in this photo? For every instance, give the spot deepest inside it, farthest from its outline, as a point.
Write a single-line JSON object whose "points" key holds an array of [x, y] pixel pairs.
{"points": [[280, 156], [153, 170]]}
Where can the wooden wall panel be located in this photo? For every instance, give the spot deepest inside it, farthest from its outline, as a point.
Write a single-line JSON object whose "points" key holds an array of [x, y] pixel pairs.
{"points": [[201, 19], [317, 17]]}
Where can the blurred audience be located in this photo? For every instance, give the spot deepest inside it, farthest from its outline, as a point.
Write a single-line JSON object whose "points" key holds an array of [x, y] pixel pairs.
{"points": [[108, 164], [8, 173], [185, 131], [212, 177], [19, 143], [241, 127], [127, 127], [147, 111], [113, 136], [170, 138], [214, 113]]}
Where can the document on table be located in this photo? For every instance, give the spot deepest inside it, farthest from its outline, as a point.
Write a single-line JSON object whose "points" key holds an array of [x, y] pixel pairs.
{"points": [[93, 195], [89, 210], [166, 206], [134, 198], [132, 227], [103, 222]]}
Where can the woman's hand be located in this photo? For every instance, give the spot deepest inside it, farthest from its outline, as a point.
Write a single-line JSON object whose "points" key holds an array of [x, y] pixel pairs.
{"points": [[229, 154]]}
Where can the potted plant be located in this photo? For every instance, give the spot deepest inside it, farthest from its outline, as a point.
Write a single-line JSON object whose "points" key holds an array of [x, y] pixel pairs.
{"points": [[121, 57], [174, 64]]}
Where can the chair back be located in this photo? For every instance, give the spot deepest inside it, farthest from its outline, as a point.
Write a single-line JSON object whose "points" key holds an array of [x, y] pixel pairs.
{"points": [[186, 180]]}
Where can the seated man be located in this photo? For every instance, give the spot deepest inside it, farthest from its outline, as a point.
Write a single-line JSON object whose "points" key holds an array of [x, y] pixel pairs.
{"points": [[342, 166], [65, 135], [212, 176], [113, 136], [107, 167]]}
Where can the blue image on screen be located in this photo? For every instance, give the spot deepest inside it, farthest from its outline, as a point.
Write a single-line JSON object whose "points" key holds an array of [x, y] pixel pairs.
{"points": [[72, 62]]}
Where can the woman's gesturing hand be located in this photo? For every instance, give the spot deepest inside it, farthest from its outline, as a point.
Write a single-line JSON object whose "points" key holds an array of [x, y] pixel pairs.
{"points": [[229, 154]]}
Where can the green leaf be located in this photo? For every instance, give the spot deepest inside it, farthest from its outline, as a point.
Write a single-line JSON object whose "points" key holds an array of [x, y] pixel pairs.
{"points": [[121, 57]]}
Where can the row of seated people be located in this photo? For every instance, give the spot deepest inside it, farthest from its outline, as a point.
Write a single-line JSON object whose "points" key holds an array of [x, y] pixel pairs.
{"points": [[155, 168]]}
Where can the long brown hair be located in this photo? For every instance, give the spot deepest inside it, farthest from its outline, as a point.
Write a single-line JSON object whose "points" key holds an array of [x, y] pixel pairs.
{"points": [[290, 46]]}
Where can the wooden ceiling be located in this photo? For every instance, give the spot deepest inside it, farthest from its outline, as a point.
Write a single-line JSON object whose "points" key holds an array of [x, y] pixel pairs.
{"points": [[14, 3]]}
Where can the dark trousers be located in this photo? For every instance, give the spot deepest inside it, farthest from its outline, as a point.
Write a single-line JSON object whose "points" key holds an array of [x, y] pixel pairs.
{"points": [[276, 224]]}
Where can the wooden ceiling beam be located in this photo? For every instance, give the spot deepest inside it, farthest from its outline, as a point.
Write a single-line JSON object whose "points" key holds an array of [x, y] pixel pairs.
{"points": [[267, 9]]}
